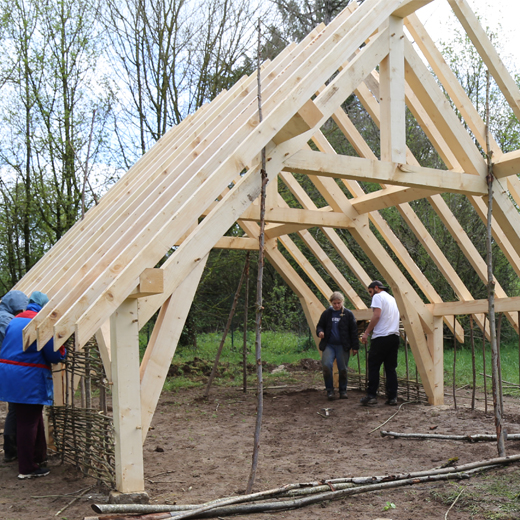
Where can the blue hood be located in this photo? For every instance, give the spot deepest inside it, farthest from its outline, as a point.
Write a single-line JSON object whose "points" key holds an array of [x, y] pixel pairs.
{"points": [[13, 302]]}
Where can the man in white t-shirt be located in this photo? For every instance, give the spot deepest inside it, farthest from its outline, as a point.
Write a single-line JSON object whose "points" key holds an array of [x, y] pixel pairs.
{"points": [[384, 328]]}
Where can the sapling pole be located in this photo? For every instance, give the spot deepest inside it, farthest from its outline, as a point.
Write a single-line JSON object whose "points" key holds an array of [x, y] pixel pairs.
{"points": [[246, 305], [473, 365], [499, 346], [226, 330], [259, 283], [454, 361], [484, 363], [497, 398]]}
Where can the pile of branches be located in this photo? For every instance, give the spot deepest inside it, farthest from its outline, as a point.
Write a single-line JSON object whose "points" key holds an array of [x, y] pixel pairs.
{"points": [[292, 496]]}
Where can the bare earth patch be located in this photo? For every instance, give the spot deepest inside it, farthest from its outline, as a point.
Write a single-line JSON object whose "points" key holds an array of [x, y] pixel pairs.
{"points": [[199, 450]]}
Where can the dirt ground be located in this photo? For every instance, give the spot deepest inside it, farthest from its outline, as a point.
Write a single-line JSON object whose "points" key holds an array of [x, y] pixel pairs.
{"points": [[200, 450]]}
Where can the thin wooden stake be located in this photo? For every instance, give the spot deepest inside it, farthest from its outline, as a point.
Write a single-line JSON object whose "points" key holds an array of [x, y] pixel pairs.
{"points": [[228, 325], [473, 364], [407, 368], [484, 363], [246, 306], [499, 331], [497, 398], [454, 362], [259, 300]]}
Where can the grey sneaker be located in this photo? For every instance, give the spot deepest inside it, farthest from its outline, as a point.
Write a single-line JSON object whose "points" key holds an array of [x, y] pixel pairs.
{"points": [[368, 400], [330, 395], [40, 472]]}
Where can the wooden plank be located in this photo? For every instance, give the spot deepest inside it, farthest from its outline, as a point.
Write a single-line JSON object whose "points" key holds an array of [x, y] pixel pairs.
{"points": [[306, 266], [435, 342], [506, 165], [305, 119], [444, 118], [242, 243], [341, 282], [151, 282], [331, 235], [163, 343], [269, 125], [498, 234], [436, 201], [333, 271], [273, 130], [305, 217], [190, 135], [358, 142], [409, 7], [438, 108], [468, 248], [387, 198], [279, 230], [488, 53], [418, 229], [506, 214], [511, 304], [126, 399], [190, 144], [371, 170], [393, 110], [450, 82], [378, 256], [103, 341], [193, 249], [152, 194], [58, 260]]}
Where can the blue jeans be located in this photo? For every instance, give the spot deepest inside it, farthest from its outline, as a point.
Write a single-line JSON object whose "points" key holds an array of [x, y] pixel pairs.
{"points": [[330, 353]]}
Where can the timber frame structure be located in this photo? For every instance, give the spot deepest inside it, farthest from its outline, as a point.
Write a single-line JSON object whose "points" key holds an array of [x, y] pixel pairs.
{"points": [[204, 175]]}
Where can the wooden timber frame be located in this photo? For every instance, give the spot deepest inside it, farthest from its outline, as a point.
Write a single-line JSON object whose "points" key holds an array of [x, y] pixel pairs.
{"points": [[190, 188]]}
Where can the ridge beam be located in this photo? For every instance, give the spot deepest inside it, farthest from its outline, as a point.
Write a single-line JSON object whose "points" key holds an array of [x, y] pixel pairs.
{"points": [[356, 168]]}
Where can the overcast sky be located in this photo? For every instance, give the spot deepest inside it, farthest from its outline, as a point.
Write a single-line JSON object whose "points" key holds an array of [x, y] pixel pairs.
{"points": [[502, 16]]}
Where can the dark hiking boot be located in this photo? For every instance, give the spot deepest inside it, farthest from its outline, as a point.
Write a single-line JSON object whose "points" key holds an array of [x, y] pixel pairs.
{"points": [[330, 395], [392, 401], [343, 395], [368, 400]]}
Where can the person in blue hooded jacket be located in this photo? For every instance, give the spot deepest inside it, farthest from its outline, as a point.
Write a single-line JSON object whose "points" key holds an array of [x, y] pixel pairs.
{"points": [[13, 303], [26, 380]]}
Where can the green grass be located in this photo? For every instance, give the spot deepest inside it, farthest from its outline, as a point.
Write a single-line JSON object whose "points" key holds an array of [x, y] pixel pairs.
{"points": [[277, 348], [280, 348]]}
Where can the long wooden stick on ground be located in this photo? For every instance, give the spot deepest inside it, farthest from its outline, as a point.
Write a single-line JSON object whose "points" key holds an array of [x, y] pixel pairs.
{"points": [[366, 484], [471, 438]]}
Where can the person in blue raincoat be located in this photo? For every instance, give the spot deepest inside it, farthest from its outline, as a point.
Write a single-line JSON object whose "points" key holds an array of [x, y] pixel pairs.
{"points": [[13, 303], [26, 380]]}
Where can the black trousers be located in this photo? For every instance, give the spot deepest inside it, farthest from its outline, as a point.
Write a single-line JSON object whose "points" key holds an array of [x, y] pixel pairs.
{"points": [[383, 351]]}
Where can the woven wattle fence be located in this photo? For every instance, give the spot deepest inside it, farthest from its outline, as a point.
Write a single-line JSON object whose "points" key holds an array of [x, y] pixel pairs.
{"points": [[83, 430]]}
